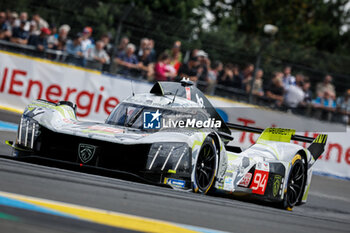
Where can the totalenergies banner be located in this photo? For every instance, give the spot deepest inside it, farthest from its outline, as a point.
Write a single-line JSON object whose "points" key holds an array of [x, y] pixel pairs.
{"points": [[23, 79]]}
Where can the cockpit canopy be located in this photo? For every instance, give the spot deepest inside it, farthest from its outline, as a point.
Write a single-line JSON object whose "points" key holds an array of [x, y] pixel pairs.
{"points": [[142, 116]]}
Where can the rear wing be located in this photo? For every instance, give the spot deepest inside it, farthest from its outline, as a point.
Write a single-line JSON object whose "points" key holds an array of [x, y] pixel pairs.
{"points": [[317, 144], [258, 130]]}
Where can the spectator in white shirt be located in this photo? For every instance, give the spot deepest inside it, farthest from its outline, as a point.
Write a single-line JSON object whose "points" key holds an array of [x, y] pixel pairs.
{"points": [[23, 17], [87, 41], [39, 24], [13, 18], [98, 55], [294, 95], [143, 44], [288, 79]]}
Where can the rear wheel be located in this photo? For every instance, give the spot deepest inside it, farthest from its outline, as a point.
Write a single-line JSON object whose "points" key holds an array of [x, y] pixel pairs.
{"points": [[206, 166], [296, 183]]}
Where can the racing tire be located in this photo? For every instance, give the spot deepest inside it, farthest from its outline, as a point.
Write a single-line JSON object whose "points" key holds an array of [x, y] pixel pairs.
{"points": [[296, 183], [206, 167]]}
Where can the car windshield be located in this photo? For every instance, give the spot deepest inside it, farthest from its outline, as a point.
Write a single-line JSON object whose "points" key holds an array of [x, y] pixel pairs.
{"points": [[133, 115]]}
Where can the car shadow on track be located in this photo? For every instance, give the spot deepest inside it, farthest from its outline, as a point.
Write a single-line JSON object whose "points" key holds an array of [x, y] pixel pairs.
{"points": [[122, 175]]}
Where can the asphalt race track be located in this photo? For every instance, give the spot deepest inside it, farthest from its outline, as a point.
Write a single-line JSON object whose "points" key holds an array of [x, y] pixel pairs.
{"points": [[327, 210]]}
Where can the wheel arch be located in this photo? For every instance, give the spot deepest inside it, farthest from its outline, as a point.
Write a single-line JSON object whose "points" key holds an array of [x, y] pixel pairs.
{"points": [[303, 154], [216, 141], [222, 156]]}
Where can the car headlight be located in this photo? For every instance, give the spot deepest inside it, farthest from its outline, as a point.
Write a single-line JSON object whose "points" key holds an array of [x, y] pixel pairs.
{"points": [[171, 157], [28, 131]]}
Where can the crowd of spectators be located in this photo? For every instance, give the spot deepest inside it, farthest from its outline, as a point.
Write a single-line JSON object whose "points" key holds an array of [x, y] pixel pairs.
{"points": [[81, 48], [283, 90]]}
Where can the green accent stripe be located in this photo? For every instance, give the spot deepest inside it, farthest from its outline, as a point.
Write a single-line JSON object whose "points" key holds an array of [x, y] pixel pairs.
{"points": [[325, 139]]}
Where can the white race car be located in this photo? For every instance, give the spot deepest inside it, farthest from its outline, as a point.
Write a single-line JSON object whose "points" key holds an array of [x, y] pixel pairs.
{"points": [[172, 136]]}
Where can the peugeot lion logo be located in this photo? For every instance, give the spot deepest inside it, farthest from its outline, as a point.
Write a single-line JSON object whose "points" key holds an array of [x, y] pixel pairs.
{"points": [[86, 152]]}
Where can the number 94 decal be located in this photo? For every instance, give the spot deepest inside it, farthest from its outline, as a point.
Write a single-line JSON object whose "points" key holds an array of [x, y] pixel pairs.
{"points": [[259, 183]]}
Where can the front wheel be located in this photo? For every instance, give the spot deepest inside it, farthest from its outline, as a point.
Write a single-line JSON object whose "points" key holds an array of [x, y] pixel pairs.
{"points": [[206, 166], [296, 183]]}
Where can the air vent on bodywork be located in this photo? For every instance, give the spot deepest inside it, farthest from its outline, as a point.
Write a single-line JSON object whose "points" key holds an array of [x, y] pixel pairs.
{"points": [[169, 156]]}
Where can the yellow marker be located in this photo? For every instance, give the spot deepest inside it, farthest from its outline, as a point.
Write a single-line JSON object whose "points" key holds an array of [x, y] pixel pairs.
{"points": [[10, 109], [104, 217]]}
